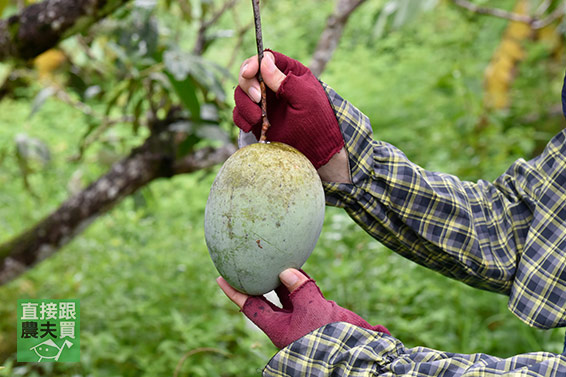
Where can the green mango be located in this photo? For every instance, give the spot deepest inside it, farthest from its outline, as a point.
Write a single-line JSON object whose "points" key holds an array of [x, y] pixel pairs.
{"points": [[264, 214]]}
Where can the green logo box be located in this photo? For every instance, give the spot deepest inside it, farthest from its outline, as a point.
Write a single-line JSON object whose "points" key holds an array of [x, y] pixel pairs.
{"points": [[48, 330]]}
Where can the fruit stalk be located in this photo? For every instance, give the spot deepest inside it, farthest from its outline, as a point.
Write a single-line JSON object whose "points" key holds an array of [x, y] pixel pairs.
{"points": [[259, 42]]}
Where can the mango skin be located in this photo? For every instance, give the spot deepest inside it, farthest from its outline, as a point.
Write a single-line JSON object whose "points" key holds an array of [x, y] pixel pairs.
{"points": [[264, 214]]}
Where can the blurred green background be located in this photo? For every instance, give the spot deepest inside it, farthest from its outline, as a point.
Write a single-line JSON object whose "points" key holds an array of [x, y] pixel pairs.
{"points": [[149, 302]]}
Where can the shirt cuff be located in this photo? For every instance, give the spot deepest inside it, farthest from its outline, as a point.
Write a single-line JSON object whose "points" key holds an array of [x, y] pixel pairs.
{"points": [[358, 141]]}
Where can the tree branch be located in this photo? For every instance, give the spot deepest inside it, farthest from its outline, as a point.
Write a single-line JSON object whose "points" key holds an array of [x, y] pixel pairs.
{"points": [[201, 40], [332, 33], [145, 164], [41, 26], [557, 14], [534, 21]]}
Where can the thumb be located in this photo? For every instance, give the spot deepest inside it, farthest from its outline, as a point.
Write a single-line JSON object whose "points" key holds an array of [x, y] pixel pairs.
{"points": [[292, 279], [272, 76]]}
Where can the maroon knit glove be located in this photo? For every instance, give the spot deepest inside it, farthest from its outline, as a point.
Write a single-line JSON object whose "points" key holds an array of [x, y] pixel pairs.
{"points": [[300, 113], [304, 311]]}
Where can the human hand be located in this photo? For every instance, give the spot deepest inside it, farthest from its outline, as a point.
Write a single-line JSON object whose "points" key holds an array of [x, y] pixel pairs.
{"points": [[304, 309], [297, 107]]}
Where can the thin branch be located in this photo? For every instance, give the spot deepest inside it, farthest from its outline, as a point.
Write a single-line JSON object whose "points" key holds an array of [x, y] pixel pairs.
{"points": [[259, 43], [535, 22], [557, 14], [193, 352], [496, 12], [105, 122], [543, 7], [216, 16], [200, 43], [332, 33]]}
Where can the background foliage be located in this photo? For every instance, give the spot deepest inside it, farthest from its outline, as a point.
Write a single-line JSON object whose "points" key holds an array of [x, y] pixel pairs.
{"points": [[148, 296]]}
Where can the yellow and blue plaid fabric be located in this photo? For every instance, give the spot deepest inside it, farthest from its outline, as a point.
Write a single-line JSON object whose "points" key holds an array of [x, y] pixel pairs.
{"points": [[341, 349], [506, 236]]}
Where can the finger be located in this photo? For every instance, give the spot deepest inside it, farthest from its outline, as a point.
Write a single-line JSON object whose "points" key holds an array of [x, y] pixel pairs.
{"points": [[262, 312], [246, 114], [292, 279], [247, 79], [272, 76], [236, 297], [248, 69]]}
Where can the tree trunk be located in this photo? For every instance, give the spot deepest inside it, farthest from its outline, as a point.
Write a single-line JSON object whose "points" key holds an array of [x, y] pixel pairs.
{"points": [[332, 33], [142, 166], [41, 26]]}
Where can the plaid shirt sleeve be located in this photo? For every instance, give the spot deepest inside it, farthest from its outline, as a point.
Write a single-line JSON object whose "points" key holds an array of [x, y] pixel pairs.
{"points": [[507, 236], [341, 349]]}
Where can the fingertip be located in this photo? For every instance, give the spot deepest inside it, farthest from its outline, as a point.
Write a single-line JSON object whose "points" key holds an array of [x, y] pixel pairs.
{"points": [[235, 296], [272, 76], [292, 279], [254, 94], [269, 55], [248, 69], [223, 284], [268, 64]]}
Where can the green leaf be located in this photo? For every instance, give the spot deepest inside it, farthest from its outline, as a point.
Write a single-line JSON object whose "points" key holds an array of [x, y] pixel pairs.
{"points": [[138, 108], [115, 95], [177, 64], [3, 4], [187, 10], [30, 149], [186, 90], [40, 99], [187, 145]]}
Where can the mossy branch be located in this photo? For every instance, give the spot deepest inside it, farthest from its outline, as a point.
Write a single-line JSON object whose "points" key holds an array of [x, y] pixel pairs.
{"points": [[41, 26], [145, 164]]}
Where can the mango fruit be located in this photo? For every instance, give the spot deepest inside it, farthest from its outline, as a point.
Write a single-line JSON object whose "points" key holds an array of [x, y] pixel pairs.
{"points": [[264, 214]]}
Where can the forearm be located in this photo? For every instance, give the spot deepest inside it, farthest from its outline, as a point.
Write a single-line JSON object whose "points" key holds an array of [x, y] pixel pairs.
{"points": [[506, 236], [341, 349], [472, 232]]}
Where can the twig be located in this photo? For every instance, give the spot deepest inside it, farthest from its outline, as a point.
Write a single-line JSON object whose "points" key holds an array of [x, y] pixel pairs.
{"points": [[501, 13], [205, 24], [227, 5], [259, 41], [105, 122], [555, 15], [543, 7], [535, 22], [192, 352], [332, 33]]}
